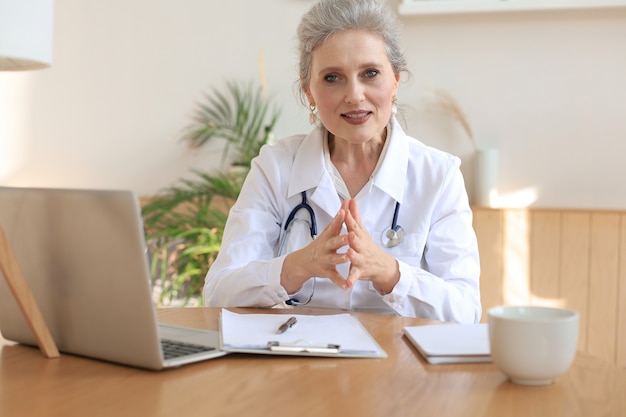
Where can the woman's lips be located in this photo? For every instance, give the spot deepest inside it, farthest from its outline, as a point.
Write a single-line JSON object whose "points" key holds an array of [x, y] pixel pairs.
{"points": [[356, 117]]}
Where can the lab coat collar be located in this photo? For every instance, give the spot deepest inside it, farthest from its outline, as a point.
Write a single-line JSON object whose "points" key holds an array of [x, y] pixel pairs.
{"points": [[392, 173], [308, 166], [309, 171]]}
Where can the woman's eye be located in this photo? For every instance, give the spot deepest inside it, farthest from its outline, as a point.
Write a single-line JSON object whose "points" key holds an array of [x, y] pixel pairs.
{"points": [[371, 73], [330, 78]]}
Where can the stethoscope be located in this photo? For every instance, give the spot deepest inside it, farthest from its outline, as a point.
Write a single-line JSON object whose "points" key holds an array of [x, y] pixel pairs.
{"points": [[390, 238]]}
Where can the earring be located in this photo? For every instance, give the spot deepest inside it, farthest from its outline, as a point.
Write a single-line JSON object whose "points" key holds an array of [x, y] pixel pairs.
{"points": [[312, 115], [394, 108]]}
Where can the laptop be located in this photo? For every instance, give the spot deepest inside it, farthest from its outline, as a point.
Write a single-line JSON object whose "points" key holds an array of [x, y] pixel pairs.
{"points": [[83, 254]]}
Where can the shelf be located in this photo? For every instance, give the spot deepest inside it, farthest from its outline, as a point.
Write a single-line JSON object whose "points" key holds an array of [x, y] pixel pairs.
{"points": [[425, 7]]}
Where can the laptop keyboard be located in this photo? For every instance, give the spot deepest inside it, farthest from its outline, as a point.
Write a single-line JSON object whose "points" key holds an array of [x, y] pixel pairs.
{"points": [[174, 349]]}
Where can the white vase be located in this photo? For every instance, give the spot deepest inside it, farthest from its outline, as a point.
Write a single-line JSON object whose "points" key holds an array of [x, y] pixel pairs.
{"points": [[486, 177]]}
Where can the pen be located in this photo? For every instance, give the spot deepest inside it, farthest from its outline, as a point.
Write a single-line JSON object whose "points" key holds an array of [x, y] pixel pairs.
{"points": [[289, 323]]}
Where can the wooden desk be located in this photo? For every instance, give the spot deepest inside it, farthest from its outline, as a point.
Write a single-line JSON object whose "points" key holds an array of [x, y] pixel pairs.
{"points": [[253, 385]]}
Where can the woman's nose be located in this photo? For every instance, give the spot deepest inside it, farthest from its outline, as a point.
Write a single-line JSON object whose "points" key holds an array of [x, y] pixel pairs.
{"points": [[354, 92]]}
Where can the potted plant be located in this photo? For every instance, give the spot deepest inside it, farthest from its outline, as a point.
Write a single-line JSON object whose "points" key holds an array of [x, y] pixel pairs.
{"points": [[184, 222]]}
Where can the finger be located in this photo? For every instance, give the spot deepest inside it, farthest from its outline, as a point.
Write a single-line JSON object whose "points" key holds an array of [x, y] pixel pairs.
{"points": [[340, 281], [328, 243], [353, 276], [337, 258], [335, 226], [337, 243], [349, 220], [353, 273], [337, 279], [352, 224], [355, 245], [354, 210]]}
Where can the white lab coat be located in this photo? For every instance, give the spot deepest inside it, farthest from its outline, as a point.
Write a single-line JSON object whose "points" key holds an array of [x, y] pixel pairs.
{"points": [[438, 257]]}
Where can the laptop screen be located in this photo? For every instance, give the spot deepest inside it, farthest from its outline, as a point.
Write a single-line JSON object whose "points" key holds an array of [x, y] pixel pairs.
{"points": [[83, 255]]}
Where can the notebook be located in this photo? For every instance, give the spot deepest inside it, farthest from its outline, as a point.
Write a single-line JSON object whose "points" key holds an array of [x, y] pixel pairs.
{"points": [[451, 343], [83, 254]]}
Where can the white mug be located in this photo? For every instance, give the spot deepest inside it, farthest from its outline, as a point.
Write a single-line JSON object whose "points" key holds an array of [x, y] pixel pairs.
{"points": [[532, 345]]}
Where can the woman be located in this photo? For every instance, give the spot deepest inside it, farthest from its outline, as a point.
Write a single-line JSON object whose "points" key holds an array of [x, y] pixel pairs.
{"points": [[381, 221]]}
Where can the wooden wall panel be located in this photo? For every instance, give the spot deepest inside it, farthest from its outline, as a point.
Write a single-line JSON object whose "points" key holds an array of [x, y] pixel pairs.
{"points": [[516, 260], [603, 272], [570, 258], [545, 255], [575, 247], [621, 297], [488, 228]]}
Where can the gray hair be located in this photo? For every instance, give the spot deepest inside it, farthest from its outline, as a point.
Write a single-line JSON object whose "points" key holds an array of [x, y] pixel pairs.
{"points": [[329, 17]]}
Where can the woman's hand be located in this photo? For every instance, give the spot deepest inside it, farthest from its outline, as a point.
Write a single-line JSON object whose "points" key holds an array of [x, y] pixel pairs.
{"points": [[368, 261], [318, 259]]}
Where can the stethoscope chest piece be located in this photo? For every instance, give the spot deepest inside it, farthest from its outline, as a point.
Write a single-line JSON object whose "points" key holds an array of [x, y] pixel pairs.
{"points": [[392, 237]]}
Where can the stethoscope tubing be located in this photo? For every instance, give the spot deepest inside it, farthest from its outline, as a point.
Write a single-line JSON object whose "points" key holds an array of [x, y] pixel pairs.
{"points": [[398, 232], [303, 205], [394, 221]]}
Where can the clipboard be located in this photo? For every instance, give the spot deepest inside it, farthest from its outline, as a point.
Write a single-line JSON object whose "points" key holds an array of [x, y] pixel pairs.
{"points": [[335, 335]]}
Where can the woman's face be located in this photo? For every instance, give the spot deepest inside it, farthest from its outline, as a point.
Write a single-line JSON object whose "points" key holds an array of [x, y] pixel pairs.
{"points": [[353, 84]]}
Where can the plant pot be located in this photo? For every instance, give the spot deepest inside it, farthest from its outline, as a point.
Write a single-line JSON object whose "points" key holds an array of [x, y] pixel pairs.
{"points": [[486, 177]]}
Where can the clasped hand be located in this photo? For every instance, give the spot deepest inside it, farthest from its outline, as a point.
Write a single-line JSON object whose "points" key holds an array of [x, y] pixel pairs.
{"points": [[321, 257]]}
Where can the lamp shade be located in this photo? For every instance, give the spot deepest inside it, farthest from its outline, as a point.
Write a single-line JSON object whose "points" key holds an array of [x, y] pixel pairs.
{"points": [[25, 34]]}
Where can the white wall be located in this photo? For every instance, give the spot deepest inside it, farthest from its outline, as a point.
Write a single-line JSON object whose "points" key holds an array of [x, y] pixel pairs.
{"points": [[546, 88]]}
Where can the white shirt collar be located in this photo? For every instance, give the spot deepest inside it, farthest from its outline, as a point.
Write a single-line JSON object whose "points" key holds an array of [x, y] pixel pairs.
{"points": [[309, 169]]}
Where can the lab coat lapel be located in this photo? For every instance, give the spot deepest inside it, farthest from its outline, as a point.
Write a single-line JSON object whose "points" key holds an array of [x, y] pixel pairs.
{"points": [[325, 196], [309, 173], [392, 174]]}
